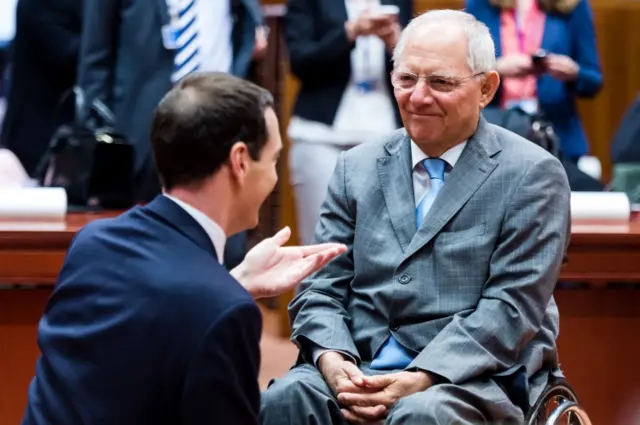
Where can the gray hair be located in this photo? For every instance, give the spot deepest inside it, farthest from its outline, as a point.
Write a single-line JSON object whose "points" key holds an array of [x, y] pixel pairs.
{"points": [[481, 51]]}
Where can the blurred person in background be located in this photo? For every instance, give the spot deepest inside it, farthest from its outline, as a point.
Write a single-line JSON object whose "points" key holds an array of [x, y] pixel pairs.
{"points": [[340, 51], [134, 52], [567, 66], [43, 61], [7, 31]]}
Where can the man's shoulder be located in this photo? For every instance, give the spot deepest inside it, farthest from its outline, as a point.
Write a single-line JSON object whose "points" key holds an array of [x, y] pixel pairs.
{"points": [[377, 147], [155, 261], [519, 152]]}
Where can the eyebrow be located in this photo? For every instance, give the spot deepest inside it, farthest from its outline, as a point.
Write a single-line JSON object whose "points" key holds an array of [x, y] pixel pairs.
{"points": [[435, 74]]}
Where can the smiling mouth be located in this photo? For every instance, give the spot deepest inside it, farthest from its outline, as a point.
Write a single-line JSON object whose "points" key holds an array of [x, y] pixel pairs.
{"points": [[426, 115]]}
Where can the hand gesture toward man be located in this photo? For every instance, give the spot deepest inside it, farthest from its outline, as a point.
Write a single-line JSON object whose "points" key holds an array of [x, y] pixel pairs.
{"points": [[271, 269]]}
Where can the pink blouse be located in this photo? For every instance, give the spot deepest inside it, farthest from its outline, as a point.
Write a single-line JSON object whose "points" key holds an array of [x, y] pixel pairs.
{"points": [[520, 36]]}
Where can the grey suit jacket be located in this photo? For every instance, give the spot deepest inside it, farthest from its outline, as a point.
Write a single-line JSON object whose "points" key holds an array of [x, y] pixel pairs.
{"points": [[471, 292], [124, 63]]}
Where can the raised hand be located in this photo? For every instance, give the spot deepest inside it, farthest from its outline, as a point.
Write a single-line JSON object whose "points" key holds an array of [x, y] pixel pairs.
{"points": [[271, 269]]}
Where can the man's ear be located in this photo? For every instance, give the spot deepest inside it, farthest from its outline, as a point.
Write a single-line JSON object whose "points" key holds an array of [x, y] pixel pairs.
{"points": [[239, 161], [489, 88]]}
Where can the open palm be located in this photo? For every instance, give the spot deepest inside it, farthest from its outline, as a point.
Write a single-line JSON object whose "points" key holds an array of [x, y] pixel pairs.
{"points": [[271, 269]]}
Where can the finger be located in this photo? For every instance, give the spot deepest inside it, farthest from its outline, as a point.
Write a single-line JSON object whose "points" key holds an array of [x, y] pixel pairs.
{"points": [[346, 386], [378, 381], [315, 249], [352, 417], [282, 236], [369, 413], [323, 258], [365, 399], [306, 266], [309, 265], [355, 374]]}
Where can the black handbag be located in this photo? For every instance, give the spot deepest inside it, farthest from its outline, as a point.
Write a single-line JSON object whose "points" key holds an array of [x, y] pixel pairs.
{"points": [[92, 162], [532, 126]]}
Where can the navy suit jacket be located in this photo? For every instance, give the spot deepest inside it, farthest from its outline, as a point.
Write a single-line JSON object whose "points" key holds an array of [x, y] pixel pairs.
{"points": [[145, 327], [572, 35]]}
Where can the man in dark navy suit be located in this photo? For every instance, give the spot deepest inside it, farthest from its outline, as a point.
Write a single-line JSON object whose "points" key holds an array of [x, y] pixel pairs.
{"points": [[145, 326]]}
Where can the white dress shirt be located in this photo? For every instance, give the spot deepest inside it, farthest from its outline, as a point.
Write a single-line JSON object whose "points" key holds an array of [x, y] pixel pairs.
{"points": [[421, 185], [214, 27], [421, 180], [211, 228]]}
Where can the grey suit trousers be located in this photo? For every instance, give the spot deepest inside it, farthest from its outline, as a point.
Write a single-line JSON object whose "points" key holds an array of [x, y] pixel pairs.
{"points": [[302, 397]]}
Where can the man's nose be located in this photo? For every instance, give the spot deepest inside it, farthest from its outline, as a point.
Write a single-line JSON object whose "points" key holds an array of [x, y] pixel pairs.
{"points": [[422, 94]]}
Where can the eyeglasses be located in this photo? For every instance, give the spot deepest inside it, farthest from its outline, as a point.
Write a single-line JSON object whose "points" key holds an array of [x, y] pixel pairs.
{"points": [[408, 81]]}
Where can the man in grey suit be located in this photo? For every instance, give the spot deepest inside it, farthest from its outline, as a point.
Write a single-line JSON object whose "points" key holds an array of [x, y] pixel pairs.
{"points": [[441, 311], [132, 52]]}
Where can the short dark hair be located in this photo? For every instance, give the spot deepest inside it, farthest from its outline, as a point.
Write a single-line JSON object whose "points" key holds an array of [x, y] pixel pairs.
{"points": [[198, 121]]}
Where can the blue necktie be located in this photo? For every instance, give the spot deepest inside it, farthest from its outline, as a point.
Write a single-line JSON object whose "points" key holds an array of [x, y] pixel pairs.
{"points": [[392, 355], [187, 58], [435, 168]]}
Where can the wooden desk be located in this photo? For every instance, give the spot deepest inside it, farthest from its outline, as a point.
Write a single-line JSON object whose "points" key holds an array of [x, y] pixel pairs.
{"points": [[32, 252], [598, 348], [603, 252]]}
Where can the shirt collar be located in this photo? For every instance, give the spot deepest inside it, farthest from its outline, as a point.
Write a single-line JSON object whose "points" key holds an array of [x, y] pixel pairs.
{"points": [[211, 228], [451, 156]]}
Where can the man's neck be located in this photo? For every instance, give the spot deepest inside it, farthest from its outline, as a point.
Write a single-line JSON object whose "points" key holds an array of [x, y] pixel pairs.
{"points": [[436, 151], [215, 204]]}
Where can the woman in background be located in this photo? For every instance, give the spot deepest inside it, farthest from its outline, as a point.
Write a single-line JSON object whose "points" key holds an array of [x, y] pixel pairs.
{"points": [[340, 52], [547, 58]]}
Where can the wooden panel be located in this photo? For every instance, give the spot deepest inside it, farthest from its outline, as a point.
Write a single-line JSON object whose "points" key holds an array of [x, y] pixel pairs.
{"points": [[599, 351], [30, 266], [20, 312]]}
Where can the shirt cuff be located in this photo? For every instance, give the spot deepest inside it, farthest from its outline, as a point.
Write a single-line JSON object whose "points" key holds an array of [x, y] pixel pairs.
{"points": [[318, 351]]}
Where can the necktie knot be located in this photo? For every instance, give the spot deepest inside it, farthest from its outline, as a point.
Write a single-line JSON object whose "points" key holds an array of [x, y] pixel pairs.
{"points": [[435, 168]]}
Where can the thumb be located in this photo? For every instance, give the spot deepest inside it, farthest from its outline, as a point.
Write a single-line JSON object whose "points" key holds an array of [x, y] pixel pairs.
{"points": [[354, 373], [282, 236], [378, 381]]}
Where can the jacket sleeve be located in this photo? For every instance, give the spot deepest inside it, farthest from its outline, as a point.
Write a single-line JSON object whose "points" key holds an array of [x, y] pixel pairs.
{"points": [[98, 49], [523, 272], [255, 12], [318, 313], [221, 386], [585, 51], [306, 52]]}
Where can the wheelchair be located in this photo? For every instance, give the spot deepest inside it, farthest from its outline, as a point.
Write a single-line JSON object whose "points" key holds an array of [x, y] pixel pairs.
{"points": [[556, 402]]}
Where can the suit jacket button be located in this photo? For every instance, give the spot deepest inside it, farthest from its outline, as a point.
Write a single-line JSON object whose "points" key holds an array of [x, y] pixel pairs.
{"points": [[404, 279], [394, 327]]}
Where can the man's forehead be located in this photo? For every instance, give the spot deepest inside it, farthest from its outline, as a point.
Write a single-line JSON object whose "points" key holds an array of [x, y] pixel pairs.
{"points": [[437, 46]]}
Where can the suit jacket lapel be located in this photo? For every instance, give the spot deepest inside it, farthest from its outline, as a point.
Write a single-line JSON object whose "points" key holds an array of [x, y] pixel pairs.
{"points": [[471, 170], [396, 181]]}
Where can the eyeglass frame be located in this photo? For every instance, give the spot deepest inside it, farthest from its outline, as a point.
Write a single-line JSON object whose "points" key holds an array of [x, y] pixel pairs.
{"points": [[457, 81]]}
